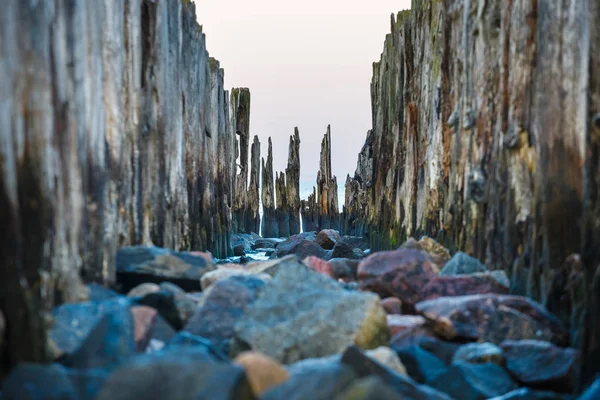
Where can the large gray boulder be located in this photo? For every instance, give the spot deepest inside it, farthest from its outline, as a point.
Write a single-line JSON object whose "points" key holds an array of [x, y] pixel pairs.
{"points": [[302, 314]]}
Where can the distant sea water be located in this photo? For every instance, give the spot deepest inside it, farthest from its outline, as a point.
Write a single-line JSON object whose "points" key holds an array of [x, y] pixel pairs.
{"points": [[306, 189]]}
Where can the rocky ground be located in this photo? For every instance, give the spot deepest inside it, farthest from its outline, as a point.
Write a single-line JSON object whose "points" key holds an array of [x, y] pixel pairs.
{"points": [[320, 319]]}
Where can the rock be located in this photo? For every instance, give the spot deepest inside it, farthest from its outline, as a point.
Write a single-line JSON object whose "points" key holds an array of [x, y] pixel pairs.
{"points": [[52, 382], [461, 285], [528, 394], [436, 251], [144, 319], [474, 381], [309, 248], [73, 323], [110, 342], [344, 250], [136, 265], [344, 268], [243, 241], [420, 364], [392, 305], [479, 353], [266, 243], [239, 249], [327, 238], [319, 265], [356, 242], [262, 372], [423, 337], [163, 302], [388, 358], [492, 318], [401, 323], [287, 246], [462, 263], [303, 314], [592, 392], [185, 305], [100, 293], [402, 273], [143, 289], [541, 364], [224, 273], [364, 367], [181, 375], [317, 382], [369, 388], [222, 307], [196, 344]]}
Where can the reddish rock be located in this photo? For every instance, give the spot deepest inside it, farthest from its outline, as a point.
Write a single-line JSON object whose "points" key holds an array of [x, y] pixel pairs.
{"points": [[320, 265], [403, 323], [492, 318], [461, 285], [392, 305], [541, 364], [401, 273], [144, 319], [327, 238]]}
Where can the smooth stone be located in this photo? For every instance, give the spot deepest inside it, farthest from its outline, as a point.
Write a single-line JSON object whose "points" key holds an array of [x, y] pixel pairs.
{"points": [[541, 364], [479, 353], [266, 243], [468, 381], [356, 242], [344, 268], [319, 265], [289, 245], [462, 263], [303, 314], [240, 249], [262, 372], [438, 253]]}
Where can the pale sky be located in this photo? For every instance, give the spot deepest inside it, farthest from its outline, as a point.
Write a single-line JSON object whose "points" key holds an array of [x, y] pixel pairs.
{"points": [[308, 63]]}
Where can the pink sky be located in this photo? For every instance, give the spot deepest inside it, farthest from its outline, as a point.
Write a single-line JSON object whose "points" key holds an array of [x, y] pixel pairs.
{"points": [[308, 64]]}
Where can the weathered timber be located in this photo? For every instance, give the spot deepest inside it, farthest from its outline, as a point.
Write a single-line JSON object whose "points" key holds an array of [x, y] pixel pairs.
{"points": [[282, 216], [114, 130], [324, 212], [292, 188], [270, 227], [240, 119], [485, 135]]}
